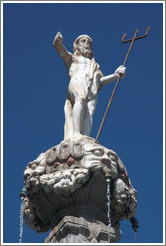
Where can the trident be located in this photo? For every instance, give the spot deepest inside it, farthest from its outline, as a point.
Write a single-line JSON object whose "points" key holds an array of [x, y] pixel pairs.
{"points": [[117, 82]]}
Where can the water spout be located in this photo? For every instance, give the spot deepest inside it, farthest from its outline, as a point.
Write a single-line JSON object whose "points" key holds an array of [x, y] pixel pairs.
{"points": [[108, 180], [24, 191], [23, 194], [135, 226], [21, 219], [135, 236], [107, 173]]}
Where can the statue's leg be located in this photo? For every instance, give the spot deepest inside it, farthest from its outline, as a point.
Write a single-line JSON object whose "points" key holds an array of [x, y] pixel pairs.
{"points": [[88, 117], [68, 128], [86, 123], [77, 115]]}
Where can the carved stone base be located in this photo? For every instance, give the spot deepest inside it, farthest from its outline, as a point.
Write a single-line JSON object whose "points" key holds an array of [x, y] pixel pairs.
{"points": [[67, 190], [79, 230]]}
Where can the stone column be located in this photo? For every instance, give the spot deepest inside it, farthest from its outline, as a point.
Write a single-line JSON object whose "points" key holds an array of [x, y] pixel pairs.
{"points": [[80, 230]]}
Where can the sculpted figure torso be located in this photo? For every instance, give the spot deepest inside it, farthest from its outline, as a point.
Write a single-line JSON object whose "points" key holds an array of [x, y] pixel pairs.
{"points": [[79, 77], [86, 80]]}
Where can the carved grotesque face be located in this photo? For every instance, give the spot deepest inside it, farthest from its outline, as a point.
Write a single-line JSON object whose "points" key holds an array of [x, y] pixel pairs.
{"points": [[83, 46], [74, 171], [69, 165]]}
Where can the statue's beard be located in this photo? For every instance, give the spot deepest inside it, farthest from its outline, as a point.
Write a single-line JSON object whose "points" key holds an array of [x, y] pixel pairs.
{"points": [[86, 52]]}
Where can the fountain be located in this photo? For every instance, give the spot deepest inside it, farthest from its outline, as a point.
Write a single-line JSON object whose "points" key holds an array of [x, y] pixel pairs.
{"points": [[78, 188]]}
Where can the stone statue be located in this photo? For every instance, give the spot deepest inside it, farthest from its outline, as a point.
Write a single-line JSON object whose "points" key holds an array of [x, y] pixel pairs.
{"points": [[79, 189], [86, 79]]}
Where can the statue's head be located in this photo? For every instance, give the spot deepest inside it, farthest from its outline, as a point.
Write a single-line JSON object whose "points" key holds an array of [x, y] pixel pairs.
{"points": [[83, 45]]}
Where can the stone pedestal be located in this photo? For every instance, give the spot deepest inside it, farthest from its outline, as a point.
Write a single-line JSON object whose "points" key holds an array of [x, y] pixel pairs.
{"points": [[80, 230], [67, 192]]}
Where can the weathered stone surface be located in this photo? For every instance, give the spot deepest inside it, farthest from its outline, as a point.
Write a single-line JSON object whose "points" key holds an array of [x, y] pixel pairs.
{"points": [[69, 180], [79, 230]]}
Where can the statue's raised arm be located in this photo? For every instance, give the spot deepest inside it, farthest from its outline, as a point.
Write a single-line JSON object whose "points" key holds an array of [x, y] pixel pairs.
{"points": [[60, 48]]}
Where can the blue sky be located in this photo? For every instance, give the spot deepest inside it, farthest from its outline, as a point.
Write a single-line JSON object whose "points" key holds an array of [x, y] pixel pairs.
{"points": [[34, 92]]}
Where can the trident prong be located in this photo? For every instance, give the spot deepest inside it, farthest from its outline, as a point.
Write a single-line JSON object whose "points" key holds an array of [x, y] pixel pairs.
{"points": [[129, 40], [117, 82]]}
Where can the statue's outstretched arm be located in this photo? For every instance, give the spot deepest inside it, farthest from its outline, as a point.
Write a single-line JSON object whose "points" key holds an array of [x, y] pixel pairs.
{"points": [[60, 48], [120, 71]]}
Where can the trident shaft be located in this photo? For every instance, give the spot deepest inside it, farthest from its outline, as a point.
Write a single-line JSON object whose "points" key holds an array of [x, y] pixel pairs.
{"points": [[117, 82]]}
